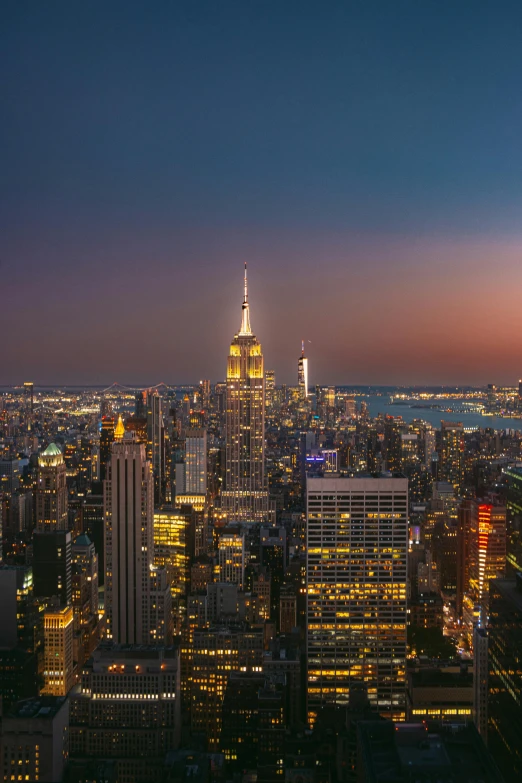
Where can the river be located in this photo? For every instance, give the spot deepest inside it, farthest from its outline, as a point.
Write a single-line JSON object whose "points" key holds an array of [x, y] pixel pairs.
{"points": [[472, 420]]}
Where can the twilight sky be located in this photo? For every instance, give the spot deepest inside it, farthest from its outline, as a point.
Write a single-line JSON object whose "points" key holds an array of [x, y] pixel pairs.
{"points": [[363, 156]]}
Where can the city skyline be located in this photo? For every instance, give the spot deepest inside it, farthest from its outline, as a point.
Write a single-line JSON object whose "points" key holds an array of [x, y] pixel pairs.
{"points": [[363, 162]]}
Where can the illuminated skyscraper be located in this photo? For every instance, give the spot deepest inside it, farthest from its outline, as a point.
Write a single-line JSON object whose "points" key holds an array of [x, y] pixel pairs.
{"points": [[51, 491], [452, 453], [302, 373], [58, 651], [245, 497], [487, 556], [196, 462], [171, 548], [357, 546]]}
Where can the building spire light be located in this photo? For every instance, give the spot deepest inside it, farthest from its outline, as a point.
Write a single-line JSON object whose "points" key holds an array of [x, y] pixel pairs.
{"points": [[246, 329]]}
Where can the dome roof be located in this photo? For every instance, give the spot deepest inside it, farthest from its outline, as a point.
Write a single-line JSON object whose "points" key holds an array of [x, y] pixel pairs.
{"points": [[52, 450], [83, 540]]}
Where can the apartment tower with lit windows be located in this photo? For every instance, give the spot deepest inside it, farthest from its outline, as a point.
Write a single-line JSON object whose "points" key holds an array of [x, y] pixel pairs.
{"points": [[245, 497], [357, 547]]}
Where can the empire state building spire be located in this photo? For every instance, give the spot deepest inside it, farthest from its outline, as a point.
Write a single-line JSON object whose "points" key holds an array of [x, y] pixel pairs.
{"points": [[246, 329], [244, 498]]}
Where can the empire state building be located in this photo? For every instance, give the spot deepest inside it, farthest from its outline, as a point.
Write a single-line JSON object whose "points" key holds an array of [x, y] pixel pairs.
{"points": [[245, 497]]}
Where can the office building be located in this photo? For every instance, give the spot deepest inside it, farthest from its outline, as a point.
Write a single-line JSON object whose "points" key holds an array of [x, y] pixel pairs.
{"points": [[357, 545], [195, 462], [156, 445], [440, 693], [16, 606], [126, 708], [94, 524], [270, 389], [253, 731], [505, 675], [463, 542], [172, 548], [87, 625], [433, 751], [487, 556], [245, 497], [85, 561], [10, 473], [128, 509], [58, 651], [287, 609], [216, 653], [452, 453], [302, 374], [480, 681], [393, 431], [51, 491], [159, 615], [231, 558], [52, 566], [107, 429], [34, 740], [514, 511]]}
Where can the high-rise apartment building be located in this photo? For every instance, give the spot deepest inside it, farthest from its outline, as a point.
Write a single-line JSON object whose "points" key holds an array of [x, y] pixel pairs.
{"points": [[302, 373], [51, 491], [58, 651], [245, 498], [357, 546], [452, 453], [128, 508], [195, 462]]}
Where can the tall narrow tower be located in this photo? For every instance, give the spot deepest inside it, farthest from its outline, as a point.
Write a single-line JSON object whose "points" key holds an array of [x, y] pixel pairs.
{"points": [[129, 553], [302, 373], [51, 491], [245, 498]]}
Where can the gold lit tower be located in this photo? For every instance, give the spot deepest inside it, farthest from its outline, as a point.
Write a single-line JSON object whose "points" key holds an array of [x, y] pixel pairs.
{"points": [[245, 498]]}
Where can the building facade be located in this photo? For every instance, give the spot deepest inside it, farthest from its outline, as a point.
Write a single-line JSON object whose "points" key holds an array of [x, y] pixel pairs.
{"points": [[357, 544], [128, 509], [58, 651], [127, 709]]}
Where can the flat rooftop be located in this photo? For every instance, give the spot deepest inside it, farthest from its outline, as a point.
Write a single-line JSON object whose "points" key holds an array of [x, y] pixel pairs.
{"points": [[42, 707]]}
